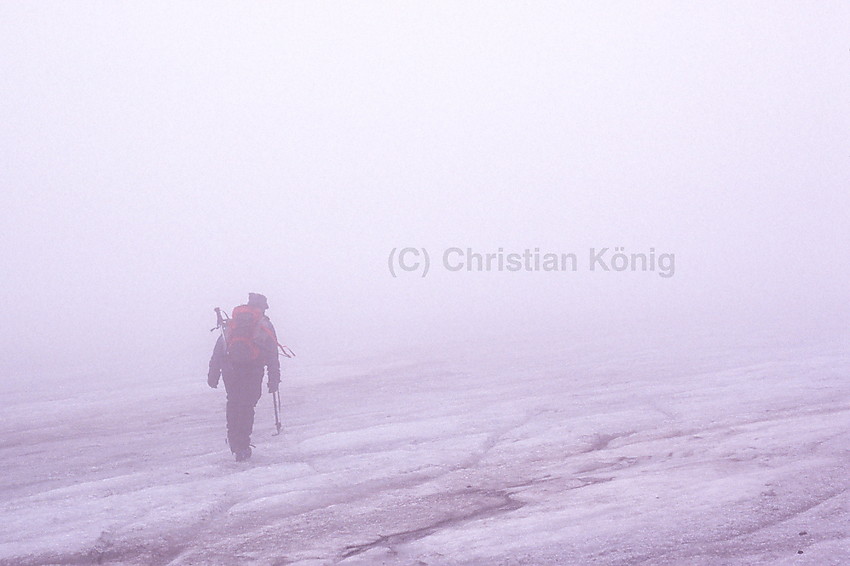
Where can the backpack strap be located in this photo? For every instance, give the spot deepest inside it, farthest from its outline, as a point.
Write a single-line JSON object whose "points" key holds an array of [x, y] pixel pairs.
{"points": [[285, 350]]}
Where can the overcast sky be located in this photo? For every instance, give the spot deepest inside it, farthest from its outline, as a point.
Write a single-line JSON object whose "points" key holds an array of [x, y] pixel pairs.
{"points": [[158, 159]]}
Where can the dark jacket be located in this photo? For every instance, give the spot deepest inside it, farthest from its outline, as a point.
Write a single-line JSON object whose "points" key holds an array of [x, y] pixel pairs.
{"points": [[266, 339]]}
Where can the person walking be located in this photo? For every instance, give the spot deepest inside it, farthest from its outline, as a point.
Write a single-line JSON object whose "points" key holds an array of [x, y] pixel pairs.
{"points": [[245, 351]]}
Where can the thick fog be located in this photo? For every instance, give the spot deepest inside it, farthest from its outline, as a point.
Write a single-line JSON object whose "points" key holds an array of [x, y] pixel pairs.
{"points": [[566, 282], [162, 159]]}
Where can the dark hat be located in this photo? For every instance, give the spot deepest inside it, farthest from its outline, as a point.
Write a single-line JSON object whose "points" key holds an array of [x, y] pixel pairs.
{"points": [[258, 300]]}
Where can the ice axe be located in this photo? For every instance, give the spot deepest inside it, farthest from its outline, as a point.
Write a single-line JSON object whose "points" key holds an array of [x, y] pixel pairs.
{"points": [[220, 321], [276, 400]]}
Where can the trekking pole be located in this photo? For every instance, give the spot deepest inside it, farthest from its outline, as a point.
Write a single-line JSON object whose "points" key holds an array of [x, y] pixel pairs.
{"points": [[276, 400]]}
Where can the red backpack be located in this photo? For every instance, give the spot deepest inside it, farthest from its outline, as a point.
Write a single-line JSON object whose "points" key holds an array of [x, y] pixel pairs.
{"points": [[244, 335], [247, 334]]}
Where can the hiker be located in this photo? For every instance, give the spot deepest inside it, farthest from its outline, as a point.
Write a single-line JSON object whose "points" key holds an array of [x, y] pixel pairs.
{"points": [[242, 353]]}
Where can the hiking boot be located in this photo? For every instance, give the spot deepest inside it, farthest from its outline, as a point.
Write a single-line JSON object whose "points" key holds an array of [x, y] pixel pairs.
{"points": [[243, 455]]}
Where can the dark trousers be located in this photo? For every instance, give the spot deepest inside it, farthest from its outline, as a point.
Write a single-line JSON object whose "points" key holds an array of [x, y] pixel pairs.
{"points": [[244, 386]]}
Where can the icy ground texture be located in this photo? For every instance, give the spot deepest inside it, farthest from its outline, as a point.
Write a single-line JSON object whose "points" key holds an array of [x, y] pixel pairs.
{"points": [[534, 454]]}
